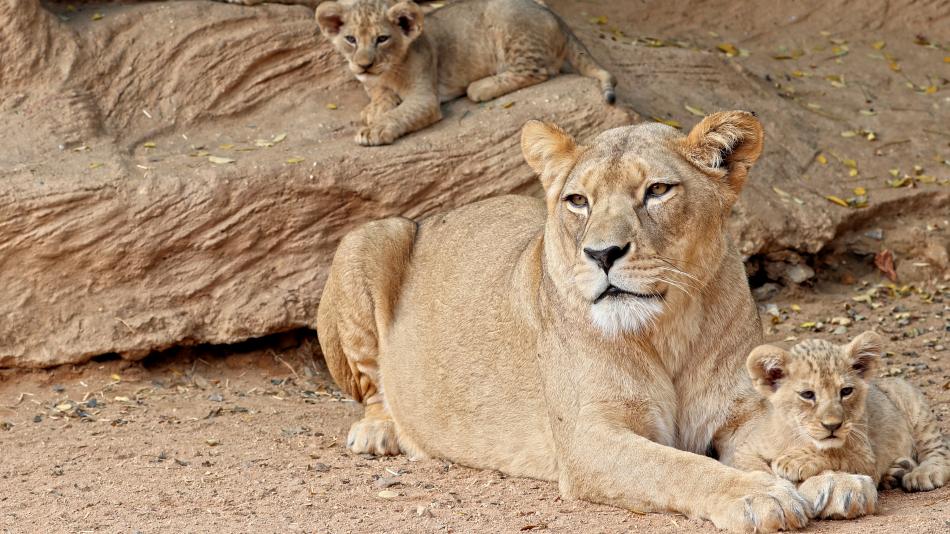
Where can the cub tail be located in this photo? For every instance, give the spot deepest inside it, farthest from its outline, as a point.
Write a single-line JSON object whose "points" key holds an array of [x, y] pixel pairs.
{"points": [[580, 58]]}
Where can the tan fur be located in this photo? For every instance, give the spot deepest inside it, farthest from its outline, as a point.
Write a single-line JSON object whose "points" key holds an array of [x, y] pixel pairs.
{"points": [[887, 431], [482, 48], [496, 347]]}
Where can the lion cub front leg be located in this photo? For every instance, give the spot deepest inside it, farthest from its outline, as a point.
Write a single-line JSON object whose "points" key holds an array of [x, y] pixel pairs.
{"points": [[382, 101], [800, 464]]}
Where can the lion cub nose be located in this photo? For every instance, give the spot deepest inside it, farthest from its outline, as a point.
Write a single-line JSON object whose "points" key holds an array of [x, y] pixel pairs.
{"points": [[365, 64], [831, 427], [606, 257]]}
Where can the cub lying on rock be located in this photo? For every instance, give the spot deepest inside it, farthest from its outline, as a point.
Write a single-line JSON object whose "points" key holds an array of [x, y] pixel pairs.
{"points": [[828, 412], [482, 48]]}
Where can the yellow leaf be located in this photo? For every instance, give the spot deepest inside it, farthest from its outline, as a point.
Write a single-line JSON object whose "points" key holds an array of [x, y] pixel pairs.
{"points": [[798, 74], [96, 165], [894, 172], [148, 144], [930, 89], [878, 45], [860, 191], [796, 308], [894, 66], [900, 182], [387, 494], [669, 122], [927, 179], [212, 442], [115, 377], [331, 106], [217, 160], [871, 136], [600, 21], [695, 111], [64, 407], [97, 16], [294, 161], [279, 137], [729, 49], [123, 399], [809, 324], [507, 105], [226, 146], [263, 143], [868, 112], [850, 163], [780, 192], [822, 159], [837, 200], [946, 59], [853, 172], [849, 133]]}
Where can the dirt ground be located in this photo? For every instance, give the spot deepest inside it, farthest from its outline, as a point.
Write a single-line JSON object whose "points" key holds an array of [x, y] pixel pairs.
{"points": [[249, 438]]}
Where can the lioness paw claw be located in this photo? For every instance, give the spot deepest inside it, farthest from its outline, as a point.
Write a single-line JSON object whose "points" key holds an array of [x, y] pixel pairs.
{"points": [[840, 495], [373, 436], [773, 507]]}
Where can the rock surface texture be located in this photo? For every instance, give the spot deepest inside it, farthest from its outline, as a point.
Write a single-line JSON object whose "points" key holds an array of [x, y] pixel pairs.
{"points": [[180, 173]]}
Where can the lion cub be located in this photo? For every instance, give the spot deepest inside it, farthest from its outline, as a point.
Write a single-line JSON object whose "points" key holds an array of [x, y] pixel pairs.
{"points": [[482, 48], [828, 412]]}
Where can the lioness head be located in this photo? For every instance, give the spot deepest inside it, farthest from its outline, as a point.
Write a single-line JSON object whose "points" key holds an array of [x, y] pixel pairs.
{"points": [[818, 387], [371, 35], [636, 219]]}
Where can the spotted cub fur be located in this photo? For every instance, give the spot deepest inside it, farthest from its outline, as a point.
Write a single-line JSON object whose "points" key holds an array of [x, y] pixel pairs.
{"points": [[480, 48], [827, 412]]}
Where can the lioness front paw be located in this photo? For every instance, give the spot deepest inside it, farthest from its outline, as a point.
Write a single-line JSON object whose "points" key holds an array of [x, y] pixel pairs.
{"points": [[766, 504], [372, 435], [375, 135], [925, 477], [797, 465], [839, 495]]}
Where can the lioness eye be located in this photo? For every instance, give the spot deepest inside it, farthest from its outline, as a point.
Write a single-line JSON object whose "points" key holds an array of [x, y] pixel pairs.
{"points": [[350, 39], [576, 201], [807, 394], [382, 39], [658, 190], [846, 391]]}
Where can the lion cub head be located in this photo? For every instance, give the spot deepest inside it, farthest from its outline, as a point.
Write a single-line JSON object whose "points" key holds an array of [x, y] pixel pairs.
{"points": [[818, 387], [636, 218], [372, 36]]}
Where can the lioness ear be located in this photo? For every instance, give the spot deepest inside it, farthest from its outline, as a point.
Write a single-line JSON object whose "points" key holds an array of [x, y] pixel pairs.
{"points": [[329, 16], [408, 16], [766, 367], [549, 151], [865, 352], [726, 144]]}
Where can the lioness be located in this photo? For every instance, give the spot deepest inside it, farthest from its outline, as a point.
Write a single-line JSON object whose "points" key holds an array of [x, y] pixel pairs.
{"points": [[582, 338], [829, 413], [482, 48]]}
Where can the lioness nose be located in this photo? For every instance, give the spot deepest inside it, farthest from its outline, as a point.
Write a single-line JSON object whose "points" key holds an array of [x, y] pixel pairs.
{"points": [[831, 427], [606, 257]]}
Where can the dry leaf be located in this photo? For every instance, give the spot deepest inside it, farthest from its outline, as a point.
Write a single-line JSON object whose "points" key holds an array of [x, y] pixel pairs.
{"points": [[331, 106], [122, 399], [822, 159], [507, 105], [669, 122], [729, 49], [115, 377], [799, 74], [849, 133], [867, 112], [900, 182], [294, 161], [279, 137], [149, 144], [212, 442], [97, 16], [946, 59], [388, 494], [217, 160], [695, 111], [878, 45], [809, 324], [837, 200], [884, 261], [96, 165], [860, 191], [796, 308]]}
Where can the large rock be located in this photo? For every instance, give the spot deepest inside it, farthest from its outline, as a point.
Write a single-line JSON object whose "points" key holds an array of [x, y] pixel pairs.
{"points": [[118, 235]]}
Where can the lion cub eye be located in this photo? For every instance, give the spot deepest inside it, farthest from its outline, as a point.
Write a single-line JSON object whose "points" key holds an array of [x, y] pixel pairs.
{"points": [[807, 394], [350, 39], [576, 201], [846, 391], [382, 39], [658, 190]]}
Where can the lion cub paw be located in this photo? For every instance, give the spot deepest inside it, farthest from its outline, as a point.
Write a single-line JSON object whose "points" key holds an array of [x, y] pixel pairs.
{"points": [[375, 135], [797, 465], [894, 476], [925, 477], [767, 504], [373, 435]]}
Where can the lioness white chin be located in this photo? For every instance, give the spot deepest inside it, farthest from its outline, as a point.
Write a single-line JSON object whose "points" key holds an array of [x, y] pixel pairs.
{"points": [[596, 337]]}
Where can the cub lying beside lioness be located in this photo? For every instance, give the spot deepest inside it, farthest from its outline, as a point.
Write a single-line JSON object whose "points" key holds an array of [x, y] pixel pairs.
{"points": [[482, 48], [828, 413]]}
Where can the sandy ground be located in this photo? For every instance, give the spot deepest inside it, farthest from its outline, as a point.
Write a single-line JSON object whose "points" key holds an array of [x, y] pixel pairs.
{"points": [[250, 438]]}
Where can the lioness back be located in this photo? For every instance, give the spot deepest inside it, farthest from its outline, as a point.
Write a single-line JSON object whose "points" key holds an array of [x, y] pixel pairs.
{"points": [[476, 247]]}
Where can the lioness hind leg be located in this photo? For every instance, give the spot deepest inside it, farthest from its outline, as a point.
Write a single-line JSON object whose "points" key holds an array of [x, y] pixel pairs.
{"points": [[501, 84], [354, 314]]}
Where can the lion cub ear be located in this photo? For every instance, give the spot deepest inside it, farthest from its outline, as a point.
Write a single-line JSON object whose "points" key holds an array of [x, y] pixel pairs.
{"points": [[865, 353], [408, 17], [726, 143], [766, 367], [329, 16], [549, 151]]}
